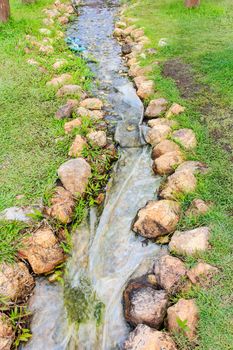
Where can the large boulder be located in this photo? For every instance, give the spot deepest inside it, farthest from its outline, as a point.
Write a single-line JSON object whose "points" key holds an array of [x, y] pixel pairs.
{"points": [[146, 89], [185, 311], [97, 138], [16, 283], [74, 175], [165, 146], [170, 273], [202, 274], [156, 108], [42, 250], [144, 304], [92, 104], [157, 134], [77, 146], [146, 338], [197, 207], [190, 242], [62, 205], [166, 164], [181, 182], [186, 138], [157, 218], [7, 333]]}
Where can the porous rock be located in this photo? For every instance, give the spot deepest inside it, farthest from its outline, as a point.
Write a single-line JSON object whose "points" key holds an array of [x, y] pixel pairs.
{"points": [[186, 138], [157, 134], [97, 138], [146, 89], [62, 205], [156, 108], [165, 146], [92, 103], [66, 110], [69, 126], [77, 146], [7, 333], [165, 164]]}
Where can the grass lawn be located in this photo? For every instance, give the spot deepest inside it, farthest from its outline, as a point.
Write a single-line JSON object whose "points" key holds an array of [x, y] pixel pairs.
{"points": [[201, 39]]}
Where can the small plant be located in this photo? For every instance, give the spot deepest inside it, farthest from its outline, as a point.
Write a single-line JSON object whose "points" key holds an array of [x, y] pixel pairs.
{"points": [[183, 325]]}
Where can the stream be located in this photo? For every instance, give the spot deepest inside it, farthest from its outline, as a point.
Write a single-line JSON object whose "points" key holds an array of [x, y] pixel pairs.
{"points": [[106, 253]]}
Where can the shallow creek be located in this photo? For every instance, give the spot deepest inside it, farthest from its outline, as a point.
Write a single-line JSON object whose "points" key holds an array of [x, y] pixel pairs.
{"points": [[106, 252]]}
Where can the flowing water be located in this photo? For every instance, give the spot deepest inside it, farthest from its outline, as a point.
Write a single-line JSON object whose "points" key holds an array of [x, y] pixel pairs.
{"points": [[106, 252]]}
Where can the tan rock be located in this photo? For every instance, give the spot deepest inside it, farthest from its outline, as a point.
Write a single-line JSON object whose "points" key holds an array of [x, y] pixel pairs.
{"points": [[63, 20], [166, 164], [48, 21], [7, 333], [16, 283], [202, 274], [157, 218], [118, 33], [59, 64], [186, 138], [77, 146], [74, 175], [120, 24], [184, 310], [69, 126], [170, 273], [157, 134], [128, 30], [137, 33], [92, 104], [197, 207], [62, 205], [136, 71], [51, 13], [32, 62], [146, 338], [156, 108], [97, 138], [66, 110], [130, 63], [162, 121], [42, 250], [146, 89], [144, 304], [68, 90], [46, 49], [164, 147], [190, 242], [193, 166], [139, 80], [181, 182], [95, 114], [45, 31], [175, 109]]}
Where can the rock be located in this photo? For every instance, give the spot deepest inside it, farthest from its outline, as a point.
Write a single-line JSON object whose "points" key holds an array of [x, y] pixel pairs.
{"points": [[74, 175], [175, 109], [120, 24], [92, 103], [137, 33], [42, 250], [166, 164], [7, 333], [164, 147], [144, 304], [186, 138], [66, 110], [139, 80], [17, 214], [45, 31], [146, 89], [97, 138], [95, 114], [130, 63], [126, 49], [190, 242], [77, 146], [162, 42], [63, 20], [143, 40], [184, 310], [48, 21], [32, 62], [16, 283], [127, 31], [58, 81], [69, 126], [59, 64], [156, 108], [193, 166], [161, 121], [51, 13], [118, 33], [170, 273], [197, 207], [46, 49], [202, 274], [181, 182], [136, 71], [157, 134], [66, 90], [146, 338], [157, 218], [62, 205]]}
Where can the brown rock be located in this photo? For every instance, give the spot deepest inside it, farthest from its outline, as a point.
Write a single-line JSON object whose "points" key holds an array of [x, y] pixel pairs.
{"points": [[162, 121], [69, 126], [48, 21], [77, 146], [7, 333], [16, 283], [130, 63], [184, 310], [74, 175], [118, 33], [46, 49], [66, 110], [59, 63], [175, 109], [193, 166], [128, 30], [137, 33], [144, 304], [157, 218], [190, 242], [156, 108], [63, 205], [97, 138], [42, 251], [166, 164], [146, 338], [92, 104], [146, 89], [202, 274], [165, 146], [126, 49], [136, 71], [181, 182], [95, 114], [69, 90], [63, 20], [170, 273], [157, 134], [139, 80], [197, 207], [186, 138]]}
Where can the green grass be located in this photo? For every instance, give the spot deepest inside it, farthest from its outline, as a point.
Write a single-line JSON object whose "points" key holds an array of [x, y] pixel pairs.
{"points": [[202, 38]]}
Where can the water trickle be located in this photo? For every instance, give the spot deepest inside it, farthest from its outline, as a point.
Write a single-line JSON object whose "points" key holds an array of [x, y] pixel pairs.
{"points": [[106, 252]]}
